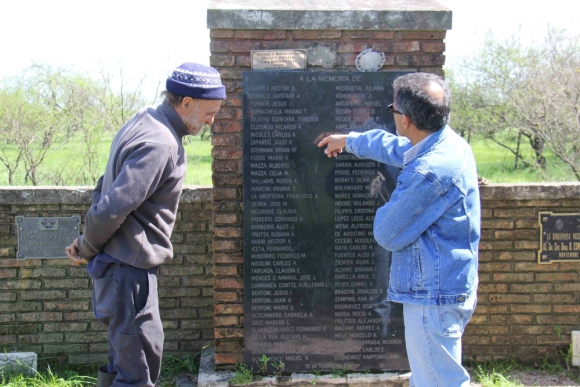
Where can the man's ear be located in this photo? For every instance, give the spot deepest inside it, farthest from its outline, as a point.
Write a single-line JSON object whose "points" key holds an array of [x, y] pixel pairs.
{"points": [[406, 121], [187, 104]]}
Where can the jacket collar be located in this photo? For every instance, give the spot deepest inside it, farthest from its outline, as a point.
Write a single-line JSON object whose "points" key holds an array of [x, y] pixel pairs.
{"points": [[166, 110], [428, 143]]}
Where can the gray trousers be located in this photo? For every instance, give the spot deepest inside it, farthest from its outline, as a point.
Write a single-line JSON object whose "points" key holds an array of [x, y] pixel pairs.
{"points": [[125, 299]]}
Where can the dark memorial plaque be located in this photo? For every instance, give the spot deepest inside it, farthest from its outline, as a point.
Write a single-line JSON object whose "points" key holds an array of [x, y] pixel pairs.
{"points": [[559, 237], [315, 280], [46, 237]]}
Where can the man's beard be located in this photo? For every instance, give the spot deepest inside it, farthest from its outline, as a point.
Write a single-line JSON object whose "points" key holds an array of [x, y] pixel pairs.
{"points": [[194, 127], [193, 124]]}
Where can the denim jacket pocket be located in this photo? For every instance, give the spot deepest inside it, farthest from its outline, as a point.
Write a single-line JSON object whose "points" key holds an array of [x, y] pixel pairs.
{"points": [[417, 272], [410, 273], [400, 280]]}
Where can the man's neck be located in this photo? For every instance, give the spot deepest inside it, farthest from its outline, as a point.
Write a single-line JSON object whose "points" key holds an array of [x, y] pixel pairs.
{"points": [[415, 135]]}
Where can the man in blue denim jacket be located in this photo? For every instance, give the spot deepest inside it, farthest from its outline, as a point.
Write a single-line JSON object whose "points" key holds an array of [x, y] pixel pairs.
{"points": [[431, 224]]}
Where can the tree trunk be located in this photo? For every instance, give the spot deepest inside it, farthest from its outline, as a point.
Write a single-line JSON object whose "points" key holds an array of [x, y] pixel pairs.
{"points": [[537, 143], [518, 150]]}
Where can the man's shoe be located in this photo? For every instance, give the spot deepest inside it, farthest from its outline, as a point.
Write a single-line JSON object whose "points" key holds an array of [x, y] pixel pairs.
{"points": [[105, 379]]}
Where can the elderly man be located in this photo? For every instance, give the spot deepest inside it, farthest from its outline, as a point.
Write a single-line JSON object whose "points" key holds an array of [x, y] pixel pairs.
{"points": [[128, 227], [431, 224]]}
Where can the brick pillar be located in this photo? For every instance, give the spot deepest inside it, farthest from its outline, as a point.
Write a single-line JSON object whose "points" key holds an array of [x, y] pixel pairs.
{"points": [[411, 36]]}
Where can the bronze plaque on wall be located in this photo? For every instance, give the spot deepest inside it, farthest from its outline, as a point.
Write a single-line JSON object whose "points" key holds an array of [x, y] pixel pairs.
{"points": [[559, 237], [278, 60], [46, 237]]}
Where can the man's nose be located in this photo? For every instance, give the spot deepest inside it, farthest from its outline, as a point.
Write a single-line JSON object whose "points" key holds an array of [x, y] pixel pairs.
{"points": [[210, 120]]}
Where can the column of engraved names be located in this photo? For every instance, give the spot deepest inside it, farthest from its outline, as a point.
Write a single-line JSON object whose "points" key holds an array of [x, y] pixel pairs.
{"points": [[353, 249], [355, 205], [275, 265]]}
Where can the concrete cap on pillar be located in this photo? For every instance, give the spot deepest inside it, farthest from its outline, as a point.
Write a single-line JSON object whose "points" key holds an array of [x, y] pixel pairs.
{"points": [[410, 15]]}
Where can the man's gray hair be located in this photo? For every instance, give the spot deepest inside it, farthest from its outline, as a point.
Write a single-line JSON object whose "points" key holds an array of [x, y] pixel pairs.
{"points": [[415, 98], [173, 99]]}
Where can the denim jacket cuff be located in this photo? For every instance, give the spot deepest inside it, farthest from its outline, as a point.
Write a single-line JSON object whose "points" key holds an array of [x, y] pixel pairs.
{"points": [[352, 136]]}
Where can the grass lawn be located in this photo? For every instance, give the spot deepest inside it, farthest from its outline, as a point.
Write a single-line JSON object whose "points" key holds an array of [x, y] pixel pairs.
{"points": [[53, 373], [496, 164], [68, 162], [198, 161], [500, 373]]}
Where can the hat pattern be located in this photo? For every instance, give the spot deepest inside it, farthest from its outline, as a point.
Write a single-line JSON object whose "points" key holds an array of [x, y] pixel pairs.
{"points": [[199, 79], [196, 81]]}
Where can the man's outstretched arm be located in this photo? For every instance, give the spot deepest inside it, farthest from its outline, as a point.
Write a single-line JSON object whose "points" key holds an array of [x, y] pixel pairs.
{"points": [[375, 144], [334, 144]]}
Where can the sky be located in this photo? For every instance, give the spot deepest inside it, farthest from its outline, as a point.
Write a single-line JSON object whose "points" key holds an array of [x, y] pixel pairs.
{"points": [[528, 18], [150, 38]]}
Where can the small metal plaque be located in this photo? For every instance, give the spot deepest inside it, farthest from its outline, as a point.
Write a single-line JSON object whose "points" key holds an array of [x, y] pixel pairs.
{"points": [[278, 60], [559, 237], [46, 237]]}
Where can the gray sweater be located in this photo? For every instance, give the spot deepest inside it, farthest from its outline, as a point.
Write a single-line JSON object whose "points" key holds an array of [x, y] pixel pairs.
{"points": [[135, 202]]}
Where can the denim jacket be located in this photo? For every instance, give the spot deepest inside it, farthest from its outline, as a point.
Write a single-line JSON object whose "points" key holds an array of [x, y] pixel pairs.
{"points": [[432, 221]]}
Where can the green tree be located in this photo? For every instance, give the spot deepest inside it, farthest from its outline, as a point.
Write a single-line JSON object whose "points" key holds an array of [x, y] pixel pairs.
{"points": [[32, 120], [119, 100], [551, 103], [488, 90], [44, 108], [11, 107], [526, 99], [87, 123]]}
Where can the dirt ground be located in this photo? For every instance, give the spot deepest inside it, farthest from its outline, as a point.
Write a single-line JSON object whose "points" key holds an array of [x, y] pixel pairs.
{"points": [[531, 378], [538, 378]]}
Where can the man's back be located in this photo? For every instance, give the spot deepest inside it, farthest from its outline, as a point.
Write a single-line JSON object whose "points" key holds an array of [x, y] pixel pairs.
{"points": [[434, 221], [139, 191]]}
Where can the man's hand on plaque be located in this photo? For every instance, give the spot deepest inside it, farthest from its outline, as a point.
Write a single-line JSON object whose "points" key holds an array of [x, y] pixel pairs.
{"points": [[334, 144], [72, 252]]}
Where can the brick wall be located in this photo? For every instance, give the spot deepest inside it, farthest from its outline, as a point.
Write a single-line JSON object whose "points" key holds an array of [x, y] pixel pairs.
{"points": [[46, 307], [525, 310], [230, 54]]}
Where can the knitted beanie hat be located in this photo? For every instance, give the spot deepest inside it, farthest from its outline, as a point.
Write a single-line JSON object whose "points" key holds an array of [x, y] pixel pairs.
{"points": [[196, 81]]}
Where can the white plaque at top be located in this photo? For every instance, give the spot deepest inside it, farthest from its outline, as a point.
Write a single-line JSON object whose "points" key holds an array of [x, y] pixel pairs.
{"points": [[278, 59]]}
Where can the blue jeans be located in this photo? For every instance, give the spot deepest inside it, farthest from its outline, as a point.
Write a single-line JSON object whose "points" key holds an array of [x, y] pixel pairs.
{"points": [[433, 336]]}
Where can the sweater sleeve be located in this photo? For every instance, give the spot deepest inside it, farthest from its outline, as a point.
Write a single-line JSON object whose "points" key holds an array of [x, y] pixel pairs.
{"points": [[97, 191], [142, 171]]}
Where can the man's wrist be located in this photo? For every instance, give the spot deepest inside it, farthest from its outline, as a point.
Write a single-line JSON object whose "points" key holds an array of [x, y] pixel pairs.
{"points": [[350, 138], [82, 250]]}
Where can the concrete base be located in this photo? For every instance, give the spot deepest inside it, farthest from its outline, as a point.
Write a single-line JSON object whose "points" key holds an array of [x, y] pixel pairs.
{"points": [[210, 378], [576, 348], [207, 377], [25, 362]]}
